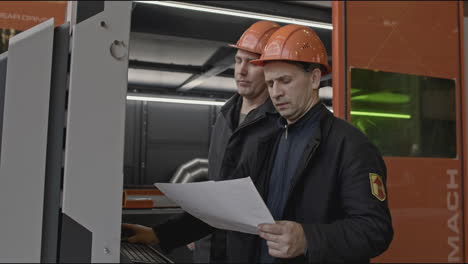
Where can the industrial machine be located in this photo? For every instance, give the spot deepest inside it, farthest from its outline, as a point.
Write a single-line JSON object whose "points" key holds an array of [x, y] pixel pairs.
{"points": [[398, 75]]}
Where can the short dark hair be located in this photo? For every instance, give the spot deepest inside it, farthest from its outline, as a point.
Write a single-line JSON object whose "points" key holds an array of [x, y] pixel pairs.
{"points": [[309, 67]]}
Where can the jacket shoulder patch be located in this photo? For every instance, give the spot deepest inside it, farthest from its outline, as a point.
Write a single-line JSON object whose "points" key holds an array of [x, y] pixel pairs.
{"points": [[377, 186]]}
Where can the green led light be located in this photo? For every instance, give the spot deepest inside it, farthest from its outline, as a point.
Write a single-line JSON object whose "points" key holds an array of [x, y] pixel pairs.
{"points": [[383, 97], [390, 115]]}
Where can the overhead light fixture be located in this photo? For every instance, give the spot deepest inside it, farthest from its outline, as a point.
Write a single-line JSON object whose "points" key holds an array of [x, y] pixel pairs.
{"points": [[390, 115], [220, 103], [239, 13], [173, 100]]}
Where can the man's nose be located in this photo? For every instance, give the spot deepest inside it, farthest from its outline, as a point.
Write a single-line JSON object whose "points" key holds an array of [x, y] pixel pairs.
{"points": [[275, 91], [244, 68]]}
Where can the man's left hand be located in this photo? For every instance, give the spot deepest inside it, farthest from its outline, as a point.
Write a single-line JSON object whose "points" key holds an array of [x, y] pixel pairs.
{"points": [[285, 239]]}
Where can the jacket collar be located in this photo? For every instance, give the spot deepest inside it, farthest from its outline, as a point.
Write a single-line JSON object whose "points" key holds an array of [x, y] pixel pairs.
{"points": [[313, 115], [319, 112], [268, 144], [324, 118], [234, 102], [231, 109]]}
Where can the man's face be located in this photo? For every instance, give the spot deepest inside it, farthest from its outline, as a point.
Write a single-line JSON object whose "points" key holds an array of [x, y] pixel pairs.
{"points": [[292, 90], [250, 79]]}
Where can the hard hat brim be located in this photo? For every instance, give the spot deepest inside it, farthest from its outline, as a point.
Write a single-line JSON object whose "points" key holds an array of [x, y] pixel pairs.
{"points": [[261, 62], [242, 48]]}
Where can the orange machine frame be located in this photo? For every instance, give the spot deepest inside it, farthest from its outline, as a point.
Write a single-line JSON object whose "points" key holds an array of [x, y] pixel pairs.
{"points": [[21, 15], [421, 38]]}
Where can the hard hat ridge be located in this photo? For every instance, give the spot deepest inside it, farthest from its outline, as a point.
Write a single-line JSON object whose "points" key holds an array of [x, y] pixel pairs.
{"points": [[256, 36], [297, 44]]}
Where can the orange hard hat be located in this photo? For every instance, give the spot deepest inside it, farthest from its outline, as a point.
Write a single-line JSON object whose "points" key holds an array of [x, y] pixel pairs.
{"points": [[256, 36], [295, 43]]}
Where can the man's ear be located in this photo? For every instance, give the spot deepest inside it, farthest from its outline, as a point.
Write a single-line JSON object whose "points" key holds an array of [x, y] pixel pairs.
{"points": [[316, 76]]}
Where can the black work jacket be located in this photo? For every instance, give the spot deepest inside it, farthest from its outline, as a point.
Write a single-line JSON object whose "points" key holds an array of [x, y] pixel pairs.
{"points": [[330, 196], [230, 146]]}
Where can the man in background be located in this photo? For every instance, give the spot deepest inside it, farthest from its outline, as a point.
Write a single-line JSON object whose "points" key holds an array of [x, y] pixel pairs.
{"points": [[246, 117]]}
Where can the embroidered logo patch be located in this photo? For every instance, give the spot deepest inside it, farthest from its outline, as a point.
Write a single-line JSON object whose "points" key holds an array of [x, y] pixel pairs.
{"points": [[377, 186]]}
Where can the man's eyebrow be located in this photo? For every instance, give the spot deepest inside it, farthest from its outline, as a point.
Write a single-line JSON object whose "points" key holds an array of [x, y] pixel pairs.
{"points": [[245, 57], [282, 77], [275, 78]]}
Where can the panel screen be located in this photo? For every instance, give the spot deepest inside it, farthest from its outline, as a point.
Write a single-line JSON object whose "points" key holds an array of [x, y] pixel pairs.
{"points": [[405, 115]]}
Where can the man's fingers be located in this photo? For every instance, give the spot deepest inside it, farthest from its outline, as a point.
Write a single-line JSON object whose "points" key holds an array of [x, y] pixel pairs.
{"points": [[133, 239], [275, 253], [271, 228], [127, 226], [269, 237], [273, 245], [130, 226]]}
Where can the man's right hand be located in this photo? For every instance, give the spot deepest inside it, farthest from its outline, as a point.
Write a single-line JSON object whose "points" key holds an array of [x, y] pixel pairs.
{"points": [[143, 234]]}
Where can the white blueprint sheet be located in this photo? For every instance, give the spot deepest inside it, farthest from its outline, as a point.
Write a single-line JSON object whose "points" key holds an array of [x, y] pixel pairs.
{"points": [[233, 204]]}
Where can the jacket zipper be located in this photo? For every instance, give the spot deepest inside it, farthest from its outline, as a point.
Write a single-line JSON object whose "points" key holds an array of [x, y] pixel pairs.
{"points": [[286, 164], [297, 176], [286, 133]]}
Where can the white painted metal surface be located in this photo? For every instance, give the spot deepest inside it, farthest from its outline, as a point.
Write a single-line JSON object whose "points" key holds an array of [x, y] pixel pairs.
{"points": [[24, 142], [93, 179]]}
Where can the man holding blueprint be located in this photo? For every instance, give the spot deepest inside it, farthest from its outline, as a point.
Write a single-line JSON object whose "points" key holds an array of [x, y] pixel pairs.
{"points": [[322, 179]]}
